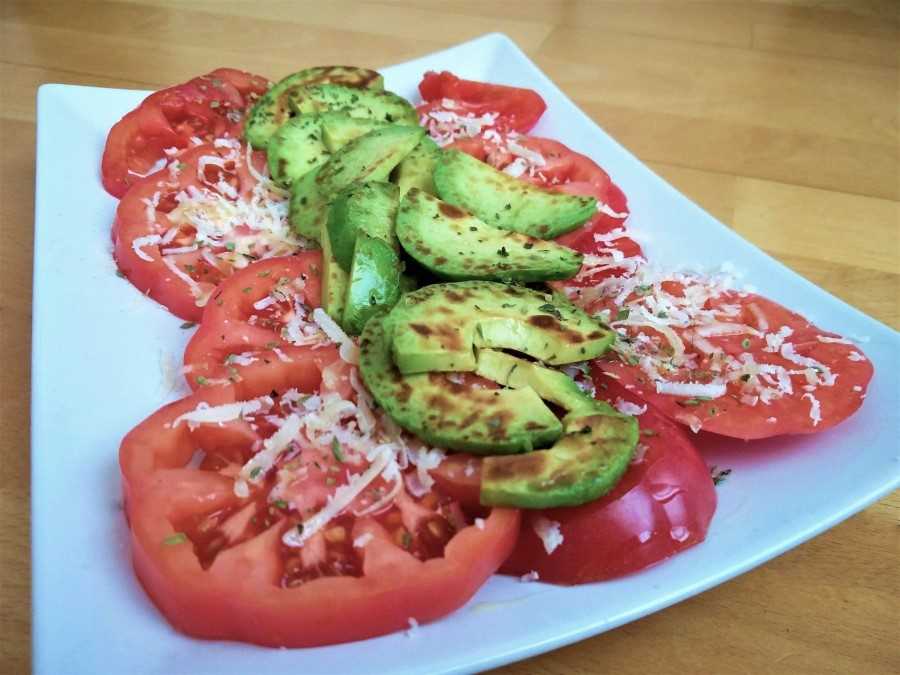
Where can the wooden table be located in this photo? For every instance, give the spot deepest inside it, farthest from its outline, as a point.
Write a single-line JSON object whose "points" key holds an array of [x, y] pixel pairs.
{"points": [[780, 118]]}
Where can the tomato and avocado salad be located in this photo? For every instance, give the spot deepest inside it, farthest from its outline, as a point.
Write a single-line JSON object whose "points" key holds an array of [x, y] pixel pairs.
{"points": [[430, 347]]}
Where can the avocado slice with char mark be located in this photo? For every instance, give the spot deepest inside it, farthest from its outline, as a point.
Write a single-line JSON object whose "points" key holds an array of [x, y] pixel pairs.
{"points": [[382, 106], [585, 463], [339, 128], [271, 110], [448, 414], [502, 201], [456, 245], [438, 327], [371, 157], [296, 148]]}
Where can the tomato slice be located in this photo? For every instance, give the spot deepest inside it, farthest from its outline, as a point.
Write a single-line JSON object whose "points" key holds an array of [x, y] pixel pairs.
{"points": [[454, 108], [724, 361], [250, 86], [230, 552], [258, 320], [663, 505], [206, 107], [180, 231]]}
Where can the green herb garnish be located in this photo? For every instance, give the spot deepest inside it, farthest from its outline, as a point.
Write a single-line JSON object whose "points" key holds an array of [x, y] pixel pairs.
{"points": [[336, 450], [175, 539]]}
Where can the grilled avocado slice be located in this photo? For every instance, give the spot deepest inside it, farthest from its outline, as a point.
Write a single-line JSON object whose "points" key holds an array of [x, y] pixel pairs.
{"points": [[448, 414], [381, 106], [272, 109], [585, 463], [369, 207], [455, 245], [438, 327], [417, 169], [506, 202]]}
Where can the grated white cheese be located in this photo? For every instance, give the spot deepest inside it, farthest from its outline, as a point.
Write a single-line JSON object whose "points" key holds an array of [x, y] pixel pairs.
{"points": [[629, 408], [206, 414], [548, 532], [255, 470], [362, 540], [815, 409], [138, 244], [711, 390]]}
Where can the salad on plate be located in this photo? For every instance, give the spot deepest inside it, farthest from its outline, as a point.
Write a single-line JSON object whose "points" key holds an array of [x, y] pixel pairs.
{"points": [[429, 348]]}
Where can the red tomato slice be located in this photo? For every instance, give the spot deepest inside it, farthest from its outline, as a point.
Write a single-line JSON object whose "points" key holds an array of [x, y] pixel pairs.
{"points": [[259, 320], [206, 107], [663, 505], [750, 368], [250, 86], [447, 97], [157, 243], [223, 566]]}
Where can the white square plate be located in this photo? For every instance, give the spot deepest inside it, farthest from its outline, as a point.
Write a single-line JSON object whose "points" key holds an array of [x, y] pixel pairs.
{"points": [[104, 357]]}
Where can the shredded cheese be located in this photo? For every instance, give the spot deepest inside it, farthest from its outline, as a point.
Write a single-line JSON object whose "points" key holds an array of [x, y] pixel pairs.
{"points": [[548, 532]]}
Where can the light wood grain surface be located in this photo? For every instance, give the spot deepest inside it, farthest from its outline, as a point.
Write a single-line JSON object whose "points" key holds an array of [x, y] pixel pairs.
{"points": [[782, 118]]}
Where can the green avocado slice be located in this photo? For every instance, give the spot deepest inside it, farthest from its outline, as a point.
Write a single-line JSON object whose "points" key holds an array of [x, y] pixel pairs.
{"points": [[369, 207], [450, 415], [455, 245], [334, 281], [551, 385], [438, 327], [296, 148], [417, 168], [506, 202], [271, 110], [584, 464], [339, 128], [374, 283], [368, 158], [382, 106]]}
